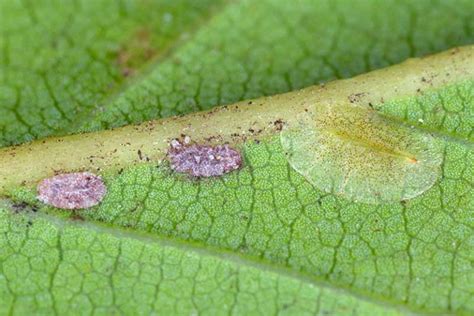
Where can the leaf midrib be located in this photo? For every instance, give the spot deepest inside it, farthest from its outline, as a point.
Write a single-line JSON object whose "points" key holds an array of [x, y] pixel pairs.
{"points": [[118, 148]]}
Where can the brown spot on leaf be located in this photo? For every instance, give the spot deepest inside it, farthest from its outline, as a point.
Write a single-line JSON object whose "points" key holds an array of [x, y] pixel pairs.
{"points": [[137, 50], [279, 124], [356, 97]]}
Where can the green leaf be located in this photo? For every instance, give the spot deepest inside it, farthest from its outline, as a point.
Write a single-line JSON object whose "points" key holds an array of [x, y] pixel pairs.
{"points": [[258, 240], [50, 265], [262, 240], [64, 67], [62, 60]]}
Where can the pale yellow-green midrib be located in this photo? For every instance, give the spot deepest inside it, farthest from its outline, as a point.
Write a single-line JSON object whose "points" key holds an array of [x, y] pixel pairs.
{"points": [[113, 149]]}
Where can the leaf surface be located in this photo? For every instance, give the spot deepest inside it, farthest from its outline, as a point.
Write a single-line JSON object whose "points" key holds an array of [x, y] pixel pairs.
{"points": [[259, 240], [96, 64], [266, 218]]}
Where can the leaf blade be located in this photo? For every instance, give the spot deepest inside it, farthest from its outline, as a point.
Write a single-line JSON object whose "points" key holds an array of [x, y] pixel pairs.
{"points": [[309, 44], [414, 254]]}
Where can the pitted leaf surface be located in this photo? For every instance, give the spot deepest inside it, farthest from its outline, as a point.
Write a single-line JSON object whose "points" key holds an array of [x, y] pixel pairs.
{"points": [[98, 64], [258, 240]]}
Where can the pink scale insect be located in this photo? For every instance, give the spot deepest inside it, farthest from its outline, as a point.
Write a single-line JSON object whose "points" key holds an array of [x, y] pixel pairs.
{"points": [[72, 190], [203, 160]]}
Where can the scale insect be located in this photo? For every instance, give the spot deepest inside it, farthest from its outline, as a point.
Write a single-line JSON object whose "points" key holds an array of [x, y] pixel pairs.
{"points": [[72, 190], [358, 154], [203, 160]]}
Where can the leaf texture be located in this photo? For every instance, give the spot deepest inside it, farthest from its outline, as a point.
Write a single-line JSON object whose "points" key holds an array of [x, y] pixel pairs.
{"points": [[260, 240], [93, 65], [399, 257]]}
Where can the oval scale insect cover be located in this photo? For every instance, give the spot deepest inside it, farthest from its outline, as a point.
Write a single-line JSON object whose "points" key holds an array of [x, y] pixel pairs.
{"points": [[203, 160], [72, 190], [356, 153]]}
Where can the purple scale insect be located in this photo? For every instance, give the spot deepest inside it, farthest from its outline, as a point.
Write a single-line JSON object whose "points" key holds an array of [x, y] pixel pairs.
{"points": [[203, 160], [72, 190]]}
